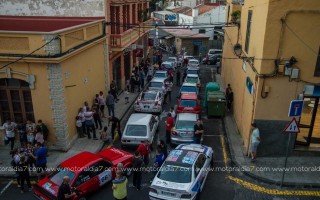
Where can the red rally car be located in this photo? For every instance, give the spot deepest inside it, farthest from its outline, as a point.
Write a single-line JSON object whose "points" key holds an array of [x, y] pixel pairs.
{"points": [[87, 172], [188, 103]]}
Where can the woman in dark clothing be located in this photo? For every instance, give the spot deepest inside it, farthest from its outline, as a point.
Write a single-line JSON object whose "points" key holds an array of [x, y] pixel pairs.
{"points": [[163, 147]]}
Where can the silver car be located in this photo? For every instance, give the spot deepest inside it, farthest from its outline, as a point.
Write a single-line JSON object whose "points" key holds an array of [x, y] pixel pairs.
{"points": [[183, 132], [161, 74], [157, 84], [193, 63], [140, 127], [149, 102]]}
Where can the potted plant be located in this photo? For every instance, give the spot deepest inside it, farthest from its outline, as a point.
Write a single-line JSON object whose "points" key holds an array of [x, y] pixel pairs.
{"points": [[235, 16]]}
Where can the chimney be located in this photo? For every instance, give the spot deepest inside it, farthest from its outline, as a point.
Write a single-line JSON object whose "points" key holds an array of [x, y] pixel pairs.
{"points": [[195, 12]]}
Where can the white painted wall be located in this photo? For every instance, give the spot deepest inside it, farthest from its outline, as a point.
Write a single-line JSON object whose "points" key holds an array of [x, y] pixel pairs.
{"points": [[75, 8]]}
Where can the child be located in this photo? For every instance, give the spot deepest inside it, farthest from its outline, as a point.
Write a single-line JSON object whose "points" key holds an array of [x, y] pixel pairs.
{"points": [[105, 137], [79, 127], [127, 96]]}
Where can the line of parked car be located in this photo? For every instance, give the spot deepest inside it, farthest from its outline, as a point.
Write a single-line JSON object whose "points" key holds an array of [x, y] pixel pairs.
{"points": [[182, 175]]}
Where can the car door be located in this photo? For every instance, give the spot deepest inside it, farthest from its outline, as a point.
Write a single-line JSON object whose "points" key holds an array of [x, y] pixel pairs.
{"points": [[201, 164], [151, 130], [103, 172], [85, 182]]}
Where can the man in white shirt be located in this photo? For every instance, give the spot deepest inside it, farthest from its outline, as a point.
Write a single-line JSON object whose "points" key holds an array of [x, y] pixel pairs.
{"points": [[255, 141], [173, 114], [10, 128]]}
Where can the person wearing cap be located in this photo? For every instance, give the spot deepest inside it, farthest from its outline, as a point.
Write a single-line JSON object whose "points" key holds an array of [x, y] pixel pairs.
{"points": [[255, 141]]}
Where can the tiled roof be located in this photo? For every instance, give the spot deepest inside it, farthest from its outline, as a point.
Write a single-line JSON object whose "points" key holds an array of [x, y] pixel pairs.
{"points": [[201, 9], [42, 24], [182, 9], [185, 33]]}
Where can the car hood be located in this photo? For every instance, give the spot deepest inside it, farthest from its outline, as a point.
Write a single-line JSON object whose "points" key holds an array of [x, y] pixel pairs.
{"points": [[47, 185], [170, 185]]}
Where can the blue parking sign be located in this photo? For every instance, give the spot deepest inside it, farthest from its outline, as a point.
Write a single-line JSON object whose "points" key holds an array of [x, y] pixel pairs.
{"points": [[295, 108]]}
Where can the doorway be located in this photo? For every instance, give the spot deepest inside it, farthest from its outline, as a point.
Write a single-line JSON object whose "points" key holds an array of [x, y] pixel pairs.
{"points": [[127, 65], [195, 50], [116, 64], [15, 100], [309, 123]]}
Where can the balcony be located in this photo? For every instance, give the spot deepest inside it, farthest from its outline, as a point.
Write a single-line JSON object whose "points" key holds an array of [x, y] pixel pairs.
{"points": [[118, 42]]}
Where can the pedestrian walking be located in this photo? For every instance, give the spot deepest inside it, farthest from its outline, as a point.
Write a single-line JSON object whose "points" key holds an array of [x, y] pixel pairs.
{"points": [[229, 99], [110, 103], [44, 129], [255, 141], [83, 120], [79, 127], [10, 128], [163, 148], [115, 125], [106, 137], [141, 74], [159, 159], [119, 186], [41, 159], [113, 90], [132, 83], [198, 132], [96, 117], [64, 191], [137, 164], [31, 131], [172, 112], [15, 162], [101, 104], [90, 124], [29, 151], [169, 126], [21, 129], [24, 174], [144, 150], [178, 74], [137, 83], [228, 91], [169, 86]]}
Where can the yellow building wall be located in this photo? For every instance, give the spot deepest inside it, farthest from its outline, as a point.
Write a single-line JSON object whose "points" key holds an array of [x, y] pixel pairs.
{"points": [[83, 77]]}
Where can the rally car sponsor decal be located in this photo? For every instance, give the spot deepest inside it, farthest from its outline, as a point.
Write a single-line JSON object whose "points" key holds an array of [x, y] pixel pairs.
{"points": [[190, 157], [47, 186], [174, 155], [105, 177], [171, 185]]}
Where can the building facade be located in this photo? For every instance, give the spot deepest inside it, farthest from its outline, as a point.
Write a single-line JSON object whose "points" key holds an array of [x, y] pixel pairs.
{"points": [[48, 67], [128, 24], [270, 57]]}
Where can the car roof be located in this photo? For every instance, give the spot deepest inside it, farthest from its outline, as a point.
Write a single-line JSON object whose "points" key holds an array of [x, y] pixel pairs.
{"points": [[189, 84], [180, 157], [193, 60], [187, 116], [80, 160], [193, 75], [189, 56], [192, 69], [194, 147], [172, 58], [113, 154], [189, 96], [166, 62], [139, 119]]}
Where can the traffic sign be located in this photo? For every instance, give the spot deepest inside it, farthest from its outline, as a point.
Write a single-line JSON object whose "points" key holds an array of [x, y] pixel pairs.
{"points": [[295, 108], [292, 127]]}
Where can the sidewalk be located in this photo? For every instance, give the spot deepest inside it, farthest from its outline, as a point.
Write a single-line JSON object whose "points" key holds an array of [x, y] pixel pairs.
{"points": [[81, 144], [303, 170]]}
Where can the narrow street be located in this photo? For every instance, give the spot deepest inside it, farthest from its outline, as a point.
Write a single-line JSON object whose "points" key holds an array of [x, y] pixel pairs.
{"points": [[218, 184]]}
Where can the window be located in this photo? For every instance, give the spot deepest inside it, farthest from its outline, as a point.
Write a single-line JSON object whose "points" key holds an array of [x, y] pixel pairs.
{"points": [[202, 31], [83, 177], [136, 130], [199, 164], [246, 48], [317, 69]]}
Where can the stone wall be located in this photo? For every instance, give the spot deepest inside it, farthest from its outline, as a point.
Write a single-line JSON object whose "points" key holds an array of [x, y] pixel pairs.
{"points": [[79, 8]]}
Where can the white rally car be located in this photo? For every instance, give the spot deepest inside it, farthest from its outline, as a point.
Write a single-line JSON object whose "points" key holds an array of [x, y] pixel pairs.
{"points": [[149, 102], [183, 174]]}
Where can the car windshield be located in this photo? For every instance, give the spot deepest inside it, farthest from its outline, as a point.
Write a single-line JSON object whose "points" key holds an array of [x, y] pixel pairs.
{"points": [[166, 65], [175, 174], [171, 60], [148, 96], [160, 75], [192, 79], [136, 130], [190, 89], [194, 62], [188, 103], [57, 176], [156, 84], [184, 124]]}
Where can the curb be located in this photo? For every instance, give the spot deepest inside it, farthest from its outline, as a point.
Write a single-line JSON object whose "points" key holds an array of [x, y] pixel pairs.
{"points": [[261, 179]]}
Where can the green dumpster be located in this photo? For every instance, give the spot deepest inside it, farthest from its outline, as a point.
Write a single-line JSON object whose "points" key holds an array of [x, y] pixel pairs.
{"points": [[216, 103], [210, 87]]}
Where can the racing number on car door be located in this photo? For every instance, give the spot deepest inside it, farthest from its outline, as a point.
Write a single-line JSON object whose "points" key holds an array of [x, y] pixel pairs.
{"points": [[103, 172], [84, 181]]}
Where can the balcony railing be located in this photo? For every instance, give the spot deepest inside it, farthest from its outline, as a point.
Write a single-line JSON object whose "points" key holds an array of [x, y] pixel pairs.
{"points": [[119, 42]]}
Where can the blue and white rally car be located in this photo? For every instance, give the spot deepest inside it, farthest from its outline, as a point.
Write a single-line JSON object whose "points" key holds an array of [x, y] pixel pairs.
{"points": [[183, 174]]}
